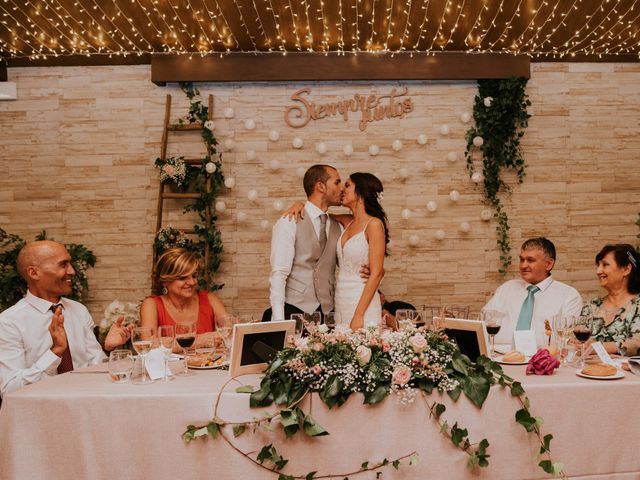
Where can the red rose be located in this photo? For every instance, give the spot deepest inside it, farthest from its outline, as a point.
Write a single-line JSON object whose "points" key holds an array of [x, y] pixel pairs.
{"points": [[542, 363]]}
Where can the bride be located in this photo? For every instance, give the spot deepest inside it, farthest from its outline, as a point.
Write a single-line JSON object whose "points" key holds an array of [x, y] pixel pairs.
{"points": [[363, 242]]}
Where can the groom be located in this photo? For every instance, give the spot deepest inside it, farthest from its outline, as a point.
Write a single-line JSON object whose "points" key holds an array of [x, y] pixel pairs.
{"points": [[303, 253]]}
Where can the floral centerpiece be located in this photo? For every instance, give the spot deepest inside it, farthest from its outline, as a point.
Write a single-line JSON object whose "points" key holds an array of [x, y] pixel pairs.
{"points": [[130, 312], [170, 237], [172, 170]]}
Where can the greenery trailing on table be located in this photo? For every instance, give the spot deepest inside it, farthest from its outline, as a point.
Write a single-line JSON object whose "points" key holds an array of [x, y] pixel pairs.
{"points": [[500, 116], [339, 363], [207, 180], [13, 287]]}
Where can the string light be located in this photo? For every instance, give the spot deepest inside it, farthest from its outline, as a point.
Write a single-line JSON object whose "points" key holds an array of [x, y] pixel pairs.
{"points": [[40, 29]]}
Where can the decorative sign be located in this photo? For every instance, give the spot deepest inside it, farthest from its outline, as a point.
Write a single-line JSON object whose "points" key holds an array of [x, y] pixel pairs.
{"points": [[372, 108]]}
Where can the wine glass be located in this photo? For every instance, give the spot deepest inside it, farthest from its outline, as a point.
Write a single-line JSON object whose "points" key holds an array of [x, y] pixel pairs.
{"points": [[299, 328], [330, 320], [120, 365], [492, 320], [166, 336], [405, 318], [582, 331], [312, 320], [142, 340], [224, 327], [185, 336], [563, 327], [430, 315]]}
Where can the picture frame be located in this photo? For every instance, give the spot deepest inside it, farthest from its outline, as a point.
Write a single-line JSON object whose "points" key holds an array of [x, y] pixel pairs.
{"points": [[252, 342], [470, 336]]}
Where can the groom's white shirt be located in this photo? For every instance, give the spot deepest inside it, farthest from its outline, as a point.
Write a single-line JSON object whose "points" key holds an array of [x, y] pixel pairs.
{"points": [[283, 240]]}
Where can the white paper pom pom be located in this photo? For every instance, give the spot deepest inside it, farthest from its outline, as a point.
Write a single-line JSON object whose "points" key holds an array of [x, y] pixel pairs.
{"points": [[251, 155], [297, 142], [486, 215], [488, 101], [478, 141], [252, 195], [432, 205], [404, 173], [454, 195], [465, 117], [274, 135], [414, 240], [452, 156], [405, 213], [300, 171], [220, 206], [465, 227], [428, 165], [278, 205], [250, 124], [321, 148], [422, 139], [476, 177], [264, 224], [229, 144], [241, 216], [396, 145], [274, 165], [347, 149], [210, 167], [440, 234], [229, 182], [444, 129], [374, 150], [210, 125], [228, 112]]}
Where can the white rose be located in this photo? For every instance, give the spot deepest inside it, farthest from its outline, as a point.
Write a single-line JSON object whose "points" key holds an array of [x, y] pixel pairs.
{"points": [[323, 328], [418, 343], [363, 354], [488, 101]]}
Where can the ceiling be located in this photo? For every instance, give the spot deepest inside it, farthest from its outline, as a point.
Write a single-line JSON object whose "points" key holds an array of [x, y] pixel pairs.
{"points": [[74, 32]]}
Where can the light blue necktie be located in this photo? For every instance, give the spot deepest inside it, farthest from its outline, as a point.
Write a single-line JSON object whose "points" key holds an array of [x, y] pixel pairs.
{"points": [[526, 312]]}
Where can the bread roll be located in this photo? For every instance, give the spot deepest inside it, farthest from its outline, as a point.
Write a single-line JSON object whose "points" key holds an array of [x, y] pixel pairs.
{"points": [[599, 370], [514, 356]]}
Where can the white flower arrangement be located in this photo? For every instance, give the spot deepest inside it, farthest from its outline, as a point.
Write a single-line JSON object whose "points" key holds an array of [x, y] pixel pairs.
{"points": [[170, 237], [172, 169], [130, 312]]}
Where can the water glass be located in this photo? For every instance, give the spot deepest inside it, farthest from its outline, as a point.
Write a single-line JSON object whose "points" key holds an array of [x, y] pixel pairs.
{"points": [[166, 336], [120, 365], [405, 318], [299, 328], [143, 340]]}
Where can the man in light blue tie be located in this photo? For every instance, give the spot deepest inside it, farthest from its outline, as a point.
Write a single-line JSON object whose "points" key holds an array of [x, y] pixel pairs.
{"points": [[536, 296]]}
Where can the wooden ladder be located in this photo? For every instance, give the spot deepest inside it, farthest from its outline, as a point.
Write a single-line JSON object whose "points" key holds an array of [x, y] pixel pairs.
{"points": [[164, 195]]}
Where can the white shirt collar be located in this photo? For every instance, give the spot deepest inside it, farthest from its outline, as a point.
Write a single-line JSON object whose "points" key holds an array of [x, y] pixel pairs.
{"points": [[38, 303], [313, 210], [543, 285]]}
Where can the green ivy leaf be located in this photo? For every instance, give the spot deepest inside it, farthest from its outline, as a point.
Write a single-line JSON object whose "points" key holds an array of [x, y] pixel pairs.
{"points": [[264, 454], [364, 465], [282, 476], [414, 459], [546, 443], [313, 429], [396, 464], [458, 434], [546, 465], [439, 410], [455, 393], [476, 389], [378, 394], [289, 421], [310, 475], [245, 389], [459, 364], [526, 420], [516, 389], [239, 430], [213, 428]]}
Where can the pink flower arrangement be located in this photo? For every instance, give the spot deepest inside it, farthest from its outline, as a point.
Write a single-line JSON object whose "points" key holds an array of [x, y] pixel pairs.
{"points": [[418, 343], [401, 375], [542, 363]]}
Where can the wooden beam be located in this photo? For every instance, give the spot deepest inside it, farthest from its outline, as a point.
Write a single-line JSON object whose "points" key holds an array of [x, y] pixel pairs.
{"points": [[311, 66], [80, 60], [3, 71]]}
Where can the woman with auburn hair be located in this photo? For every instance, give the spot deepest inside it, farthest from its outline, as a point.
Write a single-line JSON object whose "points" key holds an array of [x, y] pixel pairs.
{"points": [[177, 299], [616, 316]]}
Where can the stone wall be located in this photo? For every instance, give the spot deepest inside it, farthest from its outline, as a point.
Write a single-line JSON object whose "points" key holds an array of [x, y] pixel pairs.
{"points": [[77, 151]]}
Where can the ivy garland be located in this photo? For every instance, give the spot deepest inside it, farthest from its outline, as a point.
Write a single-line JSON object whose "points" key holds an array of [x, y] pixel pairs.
{"points": [[500, 115], [293, 375], [207, 180]]}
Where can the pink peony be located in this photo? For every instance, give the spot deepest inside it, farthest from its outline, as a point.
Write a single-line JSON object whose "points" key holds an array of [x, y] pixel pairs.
{"points": [[542, 363], [418, 343], [401, 375]]}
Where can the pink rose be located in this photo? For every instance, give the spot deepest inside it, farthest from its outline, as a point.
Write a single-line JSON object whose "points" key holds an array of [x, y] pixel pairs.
{"points": [[316, 369], [401, 375], [386, 347], [168, 169], [303, 345], [317, 347], [363, 354], [418, 343], [542, 363]]}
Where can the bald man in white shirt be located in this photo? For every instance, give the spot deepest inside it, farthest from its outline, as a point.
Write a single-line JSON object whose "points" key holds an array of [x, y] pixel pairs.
{"points": [[549, 297], [44, 333]]}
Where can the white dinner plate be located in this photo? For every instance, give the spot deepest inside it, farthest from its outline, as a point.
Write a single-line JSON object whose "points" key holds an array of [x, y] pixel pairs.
{"points": [[212, 367], [619, 374], [502, 362]]}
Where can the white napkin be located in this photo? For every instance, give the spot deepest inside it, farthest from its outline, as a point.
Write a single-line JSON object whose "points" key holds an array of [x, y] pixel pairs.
{"points": [[154, 363]]}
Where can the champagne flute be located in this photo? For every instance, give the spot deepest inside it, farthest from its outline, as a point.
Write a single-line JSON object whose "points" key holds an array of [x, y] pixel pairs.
{"points": [[405, 318], [563, 326], [582, 331], [120, 365], [224, 327], [299, 328], [492, 321], [185, 336], [166, 336], [142, 340]]}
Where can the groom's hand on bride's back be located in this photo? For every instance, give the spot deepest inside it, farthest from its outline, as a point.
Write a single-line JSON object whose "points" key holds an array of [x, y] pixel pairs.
{"points": [[365, 272], [294, 212]]}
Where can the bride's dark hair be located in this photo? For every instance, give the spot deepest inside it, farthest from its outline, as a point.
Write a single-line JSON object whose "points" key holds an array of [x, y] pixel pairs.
{"points": [[369, 188]]}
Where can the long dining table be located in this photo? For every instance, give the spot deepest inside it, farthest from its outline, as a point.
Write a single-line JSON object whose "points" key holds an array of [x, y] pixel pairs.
{"points": [[82, 425]]}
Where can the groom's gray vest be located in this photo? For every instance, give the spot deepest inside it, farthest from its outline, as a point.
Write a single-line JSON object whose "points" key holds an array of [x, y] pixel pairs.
{"points": [[313, 273]]}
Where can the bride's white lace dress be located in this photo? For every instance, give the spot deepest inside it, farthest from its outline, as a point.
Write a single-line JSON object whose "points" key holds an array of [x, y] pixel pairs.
{"points": [[350, 285]]}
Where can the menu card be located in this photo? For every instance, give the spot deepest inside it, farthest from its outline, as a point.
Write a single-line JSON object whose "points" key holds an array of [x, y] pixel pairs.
{"points": [[603, 354]]}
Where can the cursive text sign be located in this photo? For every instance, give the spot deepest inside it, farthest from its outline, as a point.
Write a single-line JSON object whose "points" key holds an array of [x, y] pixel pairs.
{"points": [[371, 107]]}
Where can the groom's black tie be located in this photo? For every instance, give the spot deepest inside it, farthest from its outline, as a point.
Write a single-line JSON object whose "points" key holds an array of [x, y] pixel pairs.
{"points": [[323, 231]]}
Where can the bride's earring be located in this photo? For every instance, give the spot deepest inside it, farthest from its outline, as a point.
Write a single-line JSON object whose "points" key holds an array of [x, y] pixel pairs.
{"points": [[164, 290]]}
